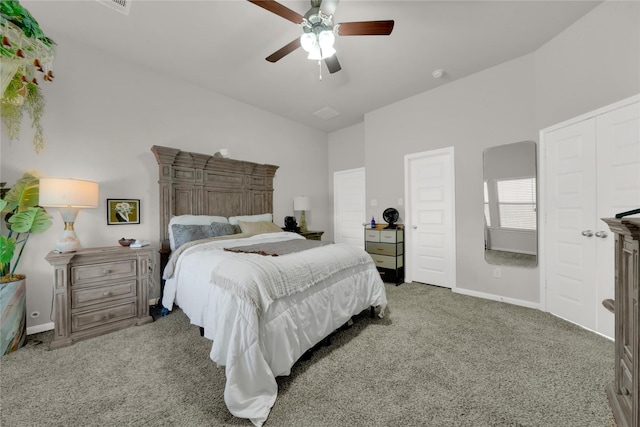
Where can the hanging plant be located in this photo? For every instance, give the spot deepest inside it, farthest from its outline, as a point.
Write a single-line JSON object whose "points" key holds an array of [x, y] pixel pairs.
{"points": [[21, 95], [26, 55]]}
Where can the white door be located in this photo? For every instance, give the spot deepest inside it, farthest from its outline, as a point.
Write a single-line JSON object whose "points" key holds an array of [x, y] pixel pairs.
{"points": [[349, 206], [571, 220], [430, 227], [618, 155], [592, 171]]}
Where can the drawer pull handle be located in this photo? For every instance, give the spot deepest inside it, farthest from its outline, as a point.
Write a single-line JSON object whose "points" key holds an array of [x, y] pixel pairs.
{"points": [[105, 271], [380, 249], [379, 262], [107, 294]]}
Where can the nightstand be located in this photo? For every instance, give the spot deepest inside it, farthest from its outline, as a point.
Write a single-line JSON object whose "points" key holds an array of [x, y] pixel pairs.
{"points": [[309, 235], [99, 290]]}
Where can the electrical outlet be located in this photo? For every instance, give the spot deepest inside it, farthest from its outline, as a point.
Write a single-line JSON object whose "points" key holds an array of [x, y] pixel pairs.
{"points": [[497, 272]]}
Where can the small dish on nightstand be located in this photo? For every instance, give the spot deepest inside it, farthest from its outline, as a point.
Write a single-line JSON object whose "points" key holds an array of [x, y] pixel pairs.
{"points": [[126, 242]]}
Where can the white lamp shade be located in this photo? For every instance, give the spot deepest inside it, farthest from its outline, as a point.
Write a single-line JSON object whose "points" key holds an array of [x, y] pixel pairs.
{"points": [[301, 203], [68, 192]]}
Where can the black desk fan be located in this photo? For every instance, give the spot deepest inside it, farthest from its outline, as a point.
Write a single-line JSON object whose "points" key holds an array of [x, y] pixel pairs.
{"points": [[390, 215]]}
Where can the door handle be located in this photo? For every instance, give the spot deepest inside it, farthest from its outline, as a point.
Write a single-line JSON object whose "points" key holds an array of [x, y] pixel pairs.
{"points": [[587, 233], [414, 227], [602, 234]]}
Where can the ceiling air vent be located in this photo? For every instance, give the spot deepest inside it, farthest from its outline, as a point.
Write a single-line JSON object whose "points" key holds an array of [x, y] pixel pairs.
{"points": [[326, 113], [121, 6]]}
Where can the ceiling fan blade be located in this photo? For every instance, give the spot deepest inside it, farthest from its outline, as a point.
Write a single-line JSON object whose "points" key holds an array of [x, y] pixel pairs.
{"points": [[280, 10], [284, 51], [329, 6], [366, 28], [332, 64]]}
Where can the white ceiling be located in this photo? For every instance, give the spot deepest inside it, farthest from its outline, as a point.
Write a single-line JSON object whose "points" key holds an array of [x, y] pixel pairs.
{"points": [[222, 45]]}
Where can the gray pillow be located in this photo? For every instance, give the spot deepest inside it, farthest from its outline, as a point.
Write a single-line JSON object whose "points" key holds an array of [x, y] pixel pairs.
{"points": [[184, 233], [223, 229]]}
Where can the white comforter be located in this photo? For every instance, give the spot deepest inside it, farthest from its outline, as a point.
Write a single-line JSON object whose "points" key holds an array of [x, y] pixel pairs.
{"points": [[258, 343]]}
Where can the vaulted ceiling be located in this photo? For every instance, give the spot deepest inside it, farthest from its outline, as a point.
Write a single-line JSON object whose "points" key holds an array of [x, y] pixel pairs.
{"points": [[222, 46]]}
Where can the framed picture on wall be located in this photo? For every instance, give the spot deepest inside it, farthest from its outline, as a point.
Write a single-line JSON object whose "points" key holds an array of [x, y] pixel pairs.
{"points": [[123, 211]]}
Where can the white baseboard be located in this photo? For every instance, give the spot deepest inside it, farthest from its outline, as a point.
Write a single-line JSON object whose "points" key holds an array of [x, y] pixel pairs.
{"points": [[500, 298], [40, 328]]}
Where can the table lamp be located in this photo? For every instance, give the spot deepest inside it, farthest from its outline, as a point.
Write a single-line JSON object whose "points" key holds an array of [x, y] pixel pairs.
{"points": [[302, 203], [70, 195]]}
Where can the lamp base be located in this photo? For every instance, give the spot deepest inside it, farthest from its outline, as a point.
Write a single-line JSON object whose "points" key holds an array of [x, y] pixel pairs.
{"points": [[68, 242], [303, 223]]}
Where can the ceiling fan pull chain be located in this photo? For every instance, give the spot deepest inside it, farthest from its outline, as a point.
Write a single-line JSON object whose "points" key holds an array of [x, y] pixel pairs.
{"points": [[320, 69]]}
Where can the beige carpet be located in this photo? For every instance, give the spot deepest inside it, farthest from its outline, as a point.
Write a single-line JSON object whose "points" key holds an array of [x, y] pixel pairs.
{"points": [[438, 359]]}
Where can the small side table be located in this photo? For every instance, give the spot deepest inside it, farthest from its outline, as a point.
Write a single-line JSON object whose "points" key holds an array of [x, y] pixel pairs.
{"points": [[99, 290], [311, 235]]}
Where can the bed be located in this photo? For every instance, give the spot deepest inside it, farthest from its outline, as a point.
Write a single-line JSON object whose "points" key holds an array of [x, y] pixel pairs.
{"points": [[263, 296]]}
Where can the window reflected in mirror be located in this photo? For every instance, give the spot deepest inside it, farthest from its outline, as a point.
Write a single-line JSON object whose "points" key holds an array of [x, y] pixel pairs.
{"points": [[510, 205]]}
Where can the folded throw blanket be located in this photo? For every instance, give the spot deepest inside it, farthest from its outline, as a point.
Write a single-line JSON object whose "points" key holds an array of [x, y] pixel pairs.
{"points": [[261, 280], [278, 248]]}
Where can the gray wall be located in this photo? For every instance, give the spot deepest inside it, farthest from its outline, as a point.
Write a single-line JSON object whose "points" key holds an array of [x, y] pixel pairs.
{"points": [[101, 119], [347, 152], [593, 63]]}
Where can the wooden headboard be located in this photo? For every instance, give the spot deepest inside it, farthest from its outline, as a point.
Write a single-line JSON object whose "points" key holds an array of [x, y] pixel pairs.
{"points": [[202, 184]]}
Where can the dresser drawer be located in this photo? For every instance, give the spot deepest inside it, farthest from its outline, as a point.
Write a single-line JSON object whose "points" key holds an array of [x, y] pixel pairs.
{"points": [[90, 319], [391, 249], [84, 296], [391, 236], [372, 235], [384, 261], [85, 274]]}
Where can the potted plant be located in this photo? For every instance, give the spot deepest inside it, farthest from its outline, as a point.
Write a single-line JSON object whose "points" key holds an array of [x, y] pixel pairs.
{"points": [[22, 216]]}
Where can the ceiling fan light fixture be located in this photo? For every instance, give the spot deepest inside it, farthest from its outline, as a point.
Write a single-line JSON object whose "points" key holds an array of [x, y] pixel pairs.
{"points": [[315, 54], [308, 41], [326, 40]]}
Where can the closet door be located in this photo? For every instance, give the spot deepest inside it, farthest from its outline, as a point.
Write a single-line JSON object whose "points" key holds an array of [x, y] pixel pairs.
{"points": [[570, 222], [618, 180], [592, 171]]}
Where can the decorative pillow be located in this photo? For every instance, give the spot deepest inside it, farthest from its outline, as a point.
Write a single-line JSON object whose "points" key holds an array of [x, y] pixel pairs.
{"points": [[259, 227], [223, 229], [184, 233], [251, 218], [192, 220]]}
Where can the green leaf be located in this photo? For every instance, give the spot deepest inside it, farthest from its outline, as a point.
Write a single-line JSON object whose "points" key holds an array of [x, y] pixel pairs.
{"points": [[7, 248], [33, 220], [23, 194]]}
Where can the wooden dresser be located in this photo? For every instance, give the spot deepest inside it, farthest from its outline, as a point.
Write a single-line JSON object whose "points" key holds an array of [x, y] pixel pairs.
{"points": [[624, 392], [386, 247], [99, 290]]}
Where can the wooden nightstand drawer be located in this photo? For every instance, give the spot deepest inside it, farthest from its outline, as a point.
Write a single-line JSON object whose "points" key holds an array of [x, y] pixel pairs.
{"points": [[94, 318], [391, 249], [86, 274], [84, 296], [384, 261]]}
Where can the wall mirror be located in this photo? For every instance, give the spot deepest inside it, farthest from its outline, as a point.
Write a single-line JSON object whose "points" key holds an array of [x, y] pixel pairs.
{"points": [[510, 209]]}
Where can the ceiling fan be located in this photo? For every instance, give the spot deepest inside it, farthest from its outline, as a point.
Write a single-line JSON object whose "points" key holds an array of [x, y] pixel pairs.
{"points": [[319, 30]]}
